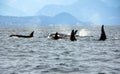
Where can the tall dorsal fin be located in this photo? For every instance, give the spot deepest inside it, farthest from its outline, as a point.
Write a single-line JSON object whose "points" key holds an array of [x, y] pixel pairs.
{"points": [[72, 36], [103, 35]]}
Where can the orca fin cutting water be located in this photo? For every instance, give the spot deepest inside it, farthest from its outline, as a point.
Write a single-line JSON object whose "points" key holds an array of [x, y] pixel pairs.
{"points": [[73, 34], [23, 36], [103, 35], [56, 37]]}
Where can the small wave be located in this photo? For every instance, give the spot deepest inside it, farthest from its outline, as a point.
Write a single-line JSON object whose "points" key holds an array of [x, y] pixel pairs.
{"points": [[41, 67], [13, 73], [64, 70], [102, 73]]}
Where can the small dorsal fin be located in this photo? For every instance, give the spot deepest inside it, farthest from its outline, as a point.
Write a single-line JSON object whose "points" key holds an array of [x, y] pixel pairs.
{"points": [[32, 33]]}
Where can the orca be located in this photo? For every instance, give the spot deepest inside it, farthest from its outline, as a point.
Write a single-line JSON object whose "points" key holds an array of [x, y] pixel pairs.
{"points": [[103, 35], [56, 36], [73, 34], [23, 36]]}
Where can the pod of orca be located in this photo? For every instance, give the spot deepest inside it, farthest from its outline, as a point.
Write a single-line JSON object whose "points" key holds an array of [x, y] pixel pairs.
{"points": [[57, 35]]}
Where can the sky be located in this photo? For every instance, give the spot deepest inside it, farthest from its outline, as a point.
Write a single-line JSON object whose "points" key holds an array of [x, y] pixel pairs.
{"points": [[95, 11], [30, 7]]}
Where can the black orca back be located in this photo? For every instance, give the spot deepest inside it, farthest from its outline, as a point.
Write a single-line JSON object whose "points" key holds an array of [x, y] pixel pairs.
{"points": [[103, 35], [23, 36]]}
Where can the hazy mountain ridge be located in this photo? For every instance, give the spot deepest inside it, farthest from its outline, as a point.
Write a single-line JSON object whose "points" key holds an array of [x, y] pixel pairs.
{"points": [[62, 18], [12, 20], [97, 13]]}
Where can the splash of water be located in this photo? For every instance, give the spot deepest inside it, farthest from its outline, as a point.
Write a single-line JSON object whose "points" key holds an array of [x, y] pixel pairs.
{"points": [[84, 32]]}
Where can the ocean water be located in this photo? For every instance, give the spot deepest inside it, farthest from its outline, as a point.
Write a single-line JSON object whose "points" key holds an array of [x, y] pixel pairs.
{"points": [[41, 55]]}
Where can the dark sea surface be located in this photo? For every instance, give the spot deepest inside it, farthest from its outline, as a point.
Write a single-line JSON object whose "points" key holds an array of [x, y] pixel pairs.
{"points": [[42, 55]]}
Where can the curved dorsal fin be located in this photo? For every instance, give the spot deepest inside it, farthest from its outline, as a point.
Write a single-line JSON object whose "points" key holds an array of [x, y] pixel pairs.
{"points": [[72, 36], [103, 35], [32, 33]]}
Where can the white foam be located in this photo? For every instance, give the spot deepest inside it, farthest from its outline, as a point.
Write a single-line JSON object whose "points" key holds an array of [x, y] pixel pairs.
{"points": [[84, 32]]}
